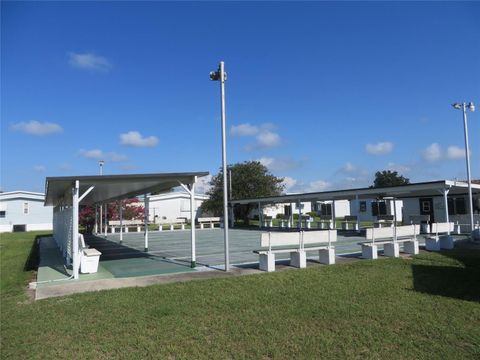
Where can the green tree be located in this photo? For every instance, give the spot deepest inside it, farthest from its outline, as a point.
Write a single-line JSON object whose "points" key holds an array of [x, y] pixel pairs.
{"points": [[250, 179], [387, 178]]}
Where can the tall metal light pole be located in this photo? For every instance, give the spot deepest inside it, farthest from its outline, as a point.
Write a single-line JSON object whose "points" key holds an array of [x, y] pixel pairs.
{"points": [[101, 163], [464, 106], [221, 76]]}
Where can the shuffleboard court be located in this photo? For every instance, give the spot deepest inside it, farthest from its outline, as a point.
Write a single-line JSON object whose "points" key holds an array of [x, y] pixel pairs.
{"points": [[175, 245]]}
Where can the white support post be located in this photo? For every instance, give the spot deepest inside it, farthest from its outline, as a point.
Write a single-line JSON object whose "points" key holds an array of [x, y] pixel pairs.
{"points": [[260, 215], [96, 220], [299, 215], [445, 200], [75, 253], [120, 213], [394, 221], [334, 221], [145, 213], [101, 220], [106, 220], [193, 262]]}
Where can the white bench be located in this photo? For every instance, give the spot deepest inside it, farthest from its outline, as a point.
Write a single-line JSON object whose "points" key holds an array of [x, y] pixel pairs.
{"points": [[325, 222], [297, 244], [437, 242], [89, 257], [390, 240], [350, 219], [171, 223], [209, 220], [383, 221], [115, 224]]}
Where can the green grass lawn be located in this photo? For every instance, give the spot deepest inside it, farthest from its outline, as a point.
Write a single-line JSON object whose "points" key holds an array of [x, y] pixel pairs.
{"points": [[428, 307]]}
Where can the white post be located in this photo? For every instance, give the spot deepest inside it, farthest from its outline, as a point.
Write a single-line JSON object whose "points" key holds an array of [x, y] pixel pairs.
{"points": [[333, 215], [106, 219], [299, 215], [96, 220], [260, 215], [101, 219], [145, 213], [467, 156], [120, 213], [445, 200], [192, 222], [75, 254], [222, 79], [394, 220]]}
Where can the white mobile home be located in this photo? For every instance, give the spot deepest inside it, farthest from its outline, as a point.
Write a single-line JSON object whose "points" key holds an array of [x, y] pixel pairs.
{"points": [[24, 211], [369, 209], [172, 206]]}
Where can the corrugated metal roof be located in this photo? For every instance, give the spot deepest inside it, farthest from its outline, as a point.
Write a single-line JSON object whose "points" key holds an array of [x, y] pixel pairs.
{"points": [[109, 188], [422, 189]]}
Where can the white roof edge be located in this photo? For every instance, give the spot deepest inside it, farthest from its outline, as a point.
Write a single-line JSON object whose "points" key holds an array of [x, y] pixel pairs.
{"points": [[174, 194], [21, 192]]}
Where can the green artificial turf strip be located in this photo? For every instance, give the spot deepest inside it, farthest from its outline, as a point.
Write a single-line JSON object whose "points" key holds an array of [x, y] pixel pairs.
{"points": [[428, 307]]}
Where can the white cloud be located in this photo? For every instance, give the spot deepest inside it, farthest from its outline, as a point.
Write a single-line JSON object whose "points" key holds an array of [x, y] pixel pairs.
{"points": [[289, 183], [37, 128], [398, 167], [134, 138], [265, 136], [455, 152], [268, 139], [432, 152], [244, 130], [316, 186], [88, 61], [39, 168], [281, 164], [97, 154], [380, 148], [203, 184]]}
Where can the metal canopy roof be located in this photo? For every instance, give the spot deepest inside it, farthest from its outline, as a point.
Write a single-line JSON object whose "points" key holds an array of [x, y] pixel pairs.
{"points": [[113, 187], [424, 189]]}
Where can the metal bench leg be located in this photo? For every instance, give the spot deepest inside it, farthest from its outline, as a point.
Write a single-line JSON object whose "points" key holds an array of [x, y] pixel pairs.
{"points": [[432, 243], [391, 250], [298, 259], [327, 256], [411, 247], [267, 262], [370, 252]]}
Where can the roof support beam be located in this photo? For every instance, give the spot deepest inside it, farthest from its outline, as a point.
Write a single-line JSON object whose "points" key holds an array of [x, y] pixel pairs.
{"points": [[85, 193]]}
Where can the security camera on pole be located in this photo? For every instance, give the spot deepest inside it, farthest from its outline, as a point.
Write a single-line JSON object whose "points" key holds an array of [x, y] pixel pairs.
{"points": [[464, 106], [221, 76]]}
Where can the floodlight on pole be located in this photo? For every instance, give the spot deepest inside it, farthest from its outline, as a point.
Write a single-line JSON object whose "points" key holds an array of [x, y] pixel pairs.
{"points": [[471, 107], [221, 76]]}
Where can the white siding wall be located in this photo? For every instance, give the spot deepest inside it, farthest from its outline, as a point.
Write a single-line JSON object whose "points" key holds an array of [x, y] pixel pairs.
{"points": [[39, 217], [171, 208], [367, 215]]}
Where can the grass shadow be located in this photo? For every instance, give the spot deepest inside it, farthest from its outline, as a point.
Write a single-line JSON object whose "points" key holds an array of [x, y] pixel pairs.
{"points": [[33, 259], [457, 276]]}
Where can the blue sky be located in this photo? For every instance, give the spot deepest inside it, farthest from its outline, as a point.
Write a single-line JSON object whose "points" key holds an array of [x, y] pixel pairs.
{"points": [[324, 94]]}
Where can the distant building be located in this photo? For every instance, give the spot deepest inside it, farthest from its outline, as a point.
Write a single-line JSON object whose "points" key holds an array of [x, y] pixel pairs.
{"points": [[172, 206], [24, 211]]}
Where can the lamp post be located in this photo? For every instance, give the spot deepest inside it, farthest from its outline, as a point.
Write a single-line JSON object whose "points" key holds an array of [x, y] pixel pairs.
{"points": [[221, 76], [101, 163], [464, 106]]}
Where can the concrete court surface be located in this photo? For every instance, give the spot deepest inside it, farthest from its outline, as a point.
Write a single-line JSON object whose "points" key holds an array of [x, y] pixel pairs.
{"points": [[168, 259]]}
